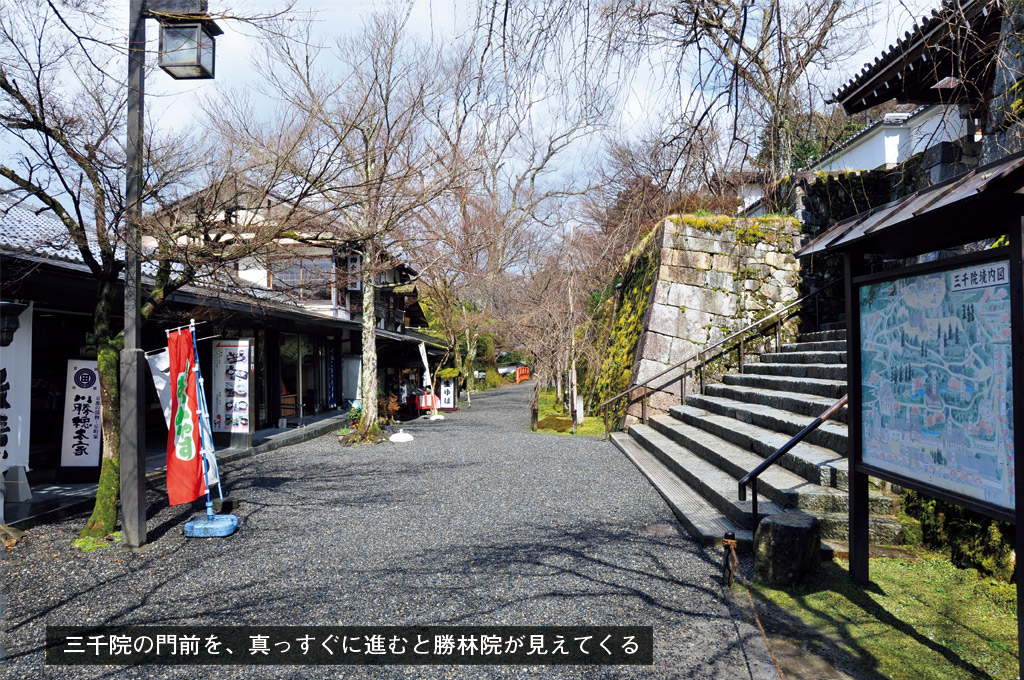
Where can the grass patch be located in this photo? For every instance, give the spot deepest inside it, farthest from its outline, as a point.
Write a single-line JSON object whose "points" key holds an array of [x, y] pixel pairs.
{"points": [[919, 619], [553, 419], [89, 544]]}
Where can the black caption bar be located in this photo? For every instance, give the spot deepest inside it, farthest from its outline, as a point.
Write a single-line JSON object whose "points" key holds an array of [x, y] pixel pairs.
{"points": [[357, 645]]}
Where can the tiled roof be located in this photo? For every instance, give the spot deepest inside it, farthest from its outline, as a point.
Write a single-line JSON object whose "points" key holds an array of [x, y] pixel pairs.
{"points": [[888, 119], [25, 228], [911, 39], [926, 207]]}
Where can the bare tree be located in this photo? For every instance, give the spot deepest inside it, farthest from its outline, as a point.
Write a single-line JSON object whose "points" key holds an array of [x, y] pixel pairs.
{"points": [[367, 151], [63, 121]]}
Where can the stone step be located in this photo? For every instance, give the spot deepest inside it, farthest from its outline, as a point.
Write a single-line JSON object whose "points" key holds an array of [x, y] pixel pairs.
{"points": [[715, 486], [835, 325], [785, 488], [824, 336], [706, 524], [835, 526], [814, 371], [809, 405], [829, 434], [804, 358], [830, 389], [816, 464], [822, 346]]}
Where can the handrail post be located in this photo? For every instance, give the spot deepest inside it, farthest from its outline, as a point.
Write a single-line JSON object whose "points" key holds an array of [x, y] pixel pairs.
{"points": [[753, 502], [778, 335], [607, 432], [643, 405], [741, 355], [682, 388], [700, 369]]}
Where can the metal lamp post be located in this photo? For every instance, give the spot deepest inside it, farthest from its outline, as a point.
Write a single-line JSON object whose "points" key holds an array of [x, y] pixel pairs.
{"points": [[186, 51]]}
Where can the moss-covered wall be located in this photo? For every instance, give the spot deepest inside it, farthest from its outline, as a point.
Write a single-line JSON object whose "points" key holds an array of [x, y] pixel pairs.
{"points": [[717, 274], [630, 305]]}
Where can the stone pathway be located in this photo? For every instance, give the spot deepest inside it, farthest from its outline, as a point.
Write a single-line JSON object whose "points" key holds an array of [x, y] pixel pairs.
{"points": [[477, 521]]}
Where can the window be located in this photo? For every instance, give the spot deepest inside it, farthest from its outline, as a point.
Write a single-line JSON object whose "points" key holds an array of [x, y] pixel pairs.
{"points": [[309, 278]]}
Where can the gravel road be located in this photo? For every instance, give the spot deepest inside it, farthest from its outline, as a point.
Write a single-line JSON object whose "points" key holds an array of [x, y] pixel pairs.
{"points": [[478, 521]]}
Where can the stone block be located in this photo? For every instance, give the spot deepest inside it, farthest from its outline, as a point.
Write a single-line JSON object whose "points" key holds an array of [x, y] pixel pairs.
{"points": [[655, 346], [724, 263], [663, 292], [693, 260], [692, 277], [647, 369], [943, 153], [779, 260], [787, 547], [769, 291], [694, 320], [786, 278], [751, 284], [721, 280], [804, 216], [721, 303], [664, 319], [684, 347]]}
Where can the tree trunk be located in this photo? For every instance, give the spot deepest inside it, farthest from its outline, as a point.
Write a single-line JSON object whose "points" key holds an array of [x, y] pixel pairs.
{"points": [[104, 513], [470, 358], [368, 374], [560, 385]]}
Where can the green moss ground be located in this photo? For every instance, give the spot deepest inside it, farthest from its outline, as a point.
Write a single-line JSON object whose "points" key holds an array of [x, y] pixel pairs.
{"points": [[919, 619], [551, 419]]}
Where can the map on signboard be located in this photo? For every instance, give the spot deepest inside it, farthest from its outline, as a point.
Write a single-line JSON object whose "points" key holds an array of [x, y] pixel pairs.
{"points": [[935, 380]]}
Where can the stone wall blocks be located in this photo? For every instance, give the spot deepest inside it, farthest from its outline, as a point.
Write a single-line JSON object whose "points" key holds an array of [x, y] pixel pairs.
{"points": [[664, 319], [724, 263]]}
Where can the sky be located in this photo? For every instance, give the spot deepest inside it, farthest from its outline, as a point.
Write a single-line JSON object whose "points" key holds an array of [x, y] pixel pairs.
{"points": [[175, 103]]}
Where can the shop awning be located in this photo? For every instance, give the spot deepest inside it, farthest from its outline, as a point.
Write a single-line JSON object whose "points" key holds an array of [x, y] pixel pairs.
{"points": [[968, 208]]}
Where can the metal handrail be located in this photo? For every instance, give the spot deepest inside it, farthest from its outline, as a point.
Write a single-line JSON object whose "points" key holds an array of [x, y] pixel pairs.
{"points": [[603, 405], [751, 477]]}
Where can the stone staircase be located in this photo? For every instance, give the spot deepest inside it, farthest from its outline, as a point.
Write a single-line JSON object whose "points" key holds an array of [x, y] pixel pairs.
{"points": [[696, 454]]}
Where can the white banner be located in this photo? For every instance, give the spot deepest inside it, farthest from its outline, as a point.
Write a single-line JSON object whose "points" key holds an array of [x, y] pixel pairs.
{"points": [[230, 400], [82, 431], [15, 394], [426, 365], [160, 369]]}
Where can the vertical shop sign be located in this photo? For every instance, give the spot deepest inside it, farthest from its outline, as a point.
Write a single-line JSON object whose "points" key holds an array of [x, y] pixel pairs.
{"points": [[82, 431], [15, 397], [448, 393], [332, 377], [231, 403]]}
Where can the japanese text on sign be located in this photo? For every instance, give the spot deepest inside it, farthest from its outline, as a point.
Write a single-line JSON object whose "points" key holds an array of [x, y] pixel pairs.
{"points": [[326, 645]]}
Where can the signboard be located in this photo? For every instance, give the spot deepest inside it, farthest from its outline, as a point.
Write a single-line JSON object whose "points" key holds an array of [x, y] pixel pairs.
{"points": [[936, 380], [15, 394], [447, 393], [350, 388], [231, 398], [82, 427], [332, 373]]}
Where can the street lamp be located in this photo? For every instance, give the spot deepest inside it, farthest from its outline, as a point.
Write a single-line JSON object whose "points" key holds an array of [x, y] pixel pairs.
{"points": [[186, 51], [9, 322], [187, 48]]}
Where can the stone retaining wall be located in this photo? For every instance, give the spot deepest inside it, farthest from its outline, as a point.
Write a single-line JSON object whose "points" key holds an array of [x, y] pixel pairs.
{"points": [[717, 274]]}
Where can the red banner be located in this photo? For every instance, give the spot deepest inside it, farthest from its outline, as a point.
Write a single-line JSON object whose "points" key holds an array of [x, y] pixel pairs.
{"points": [[184, 460]]}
